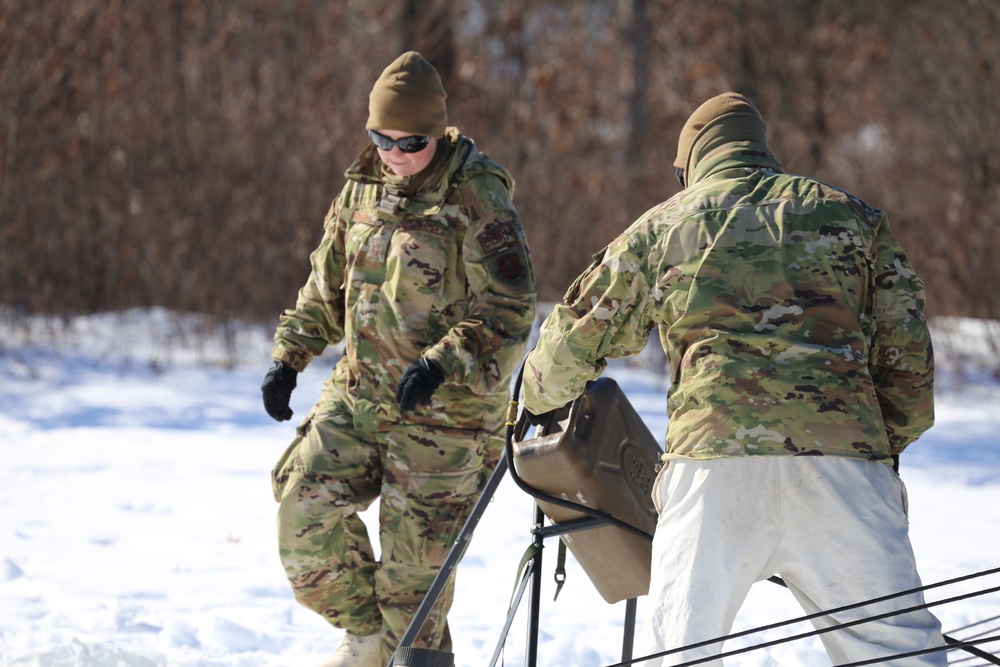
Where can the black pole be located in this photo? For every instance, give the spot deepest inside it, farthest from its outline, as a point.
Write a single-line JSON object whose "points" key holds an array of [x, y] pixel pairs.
{"points": [[628, 640], [535, 596], [515, 603]]}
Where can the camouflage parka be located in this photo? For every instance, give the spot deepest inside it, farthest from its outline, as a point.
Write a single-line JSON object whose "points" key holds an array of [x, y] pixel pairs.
{"points": [[790, 316], [438, 268]]}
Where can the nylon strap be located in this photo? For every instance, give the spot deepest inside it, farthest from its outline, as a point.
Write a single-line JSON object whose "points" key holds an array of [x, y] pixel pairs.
{"points": [[529, 553], [560, 575]]}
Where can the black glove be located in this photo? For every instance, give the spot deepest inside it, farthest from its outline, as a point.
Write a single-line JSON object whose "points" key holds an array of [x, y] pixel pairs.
{"points": [[537, 420], [547, 420], [277, 390], [419, 381], [895, 463]]}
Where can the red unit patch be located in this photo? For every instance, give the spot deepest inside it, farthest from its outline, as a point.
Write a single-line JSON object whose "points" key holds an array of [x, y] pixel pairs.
{"points": [[510, 268]]}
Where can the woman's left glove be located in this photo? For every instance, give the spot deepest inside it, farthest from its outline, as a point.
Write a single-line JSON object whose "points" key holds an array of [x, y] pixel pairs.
{"points": [[419, 381], [277, 391]]}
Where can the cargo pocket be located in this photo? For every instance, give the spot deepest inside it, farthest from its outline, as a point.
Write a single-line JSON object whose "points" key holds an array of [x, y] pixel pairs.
{"points": [[436, 509], [286, 464], [435, 481], [660, 488]]}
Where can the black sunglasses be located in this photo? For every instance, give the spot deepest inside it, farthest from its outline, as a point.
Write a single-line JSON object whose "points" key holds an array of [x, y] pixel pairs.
{"points": [[411, 144]]}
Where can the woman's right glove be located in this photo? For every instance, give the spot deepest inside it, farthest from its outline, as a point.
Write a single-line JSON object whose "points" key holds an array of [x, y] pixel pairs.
{"points": [[419, 381]]}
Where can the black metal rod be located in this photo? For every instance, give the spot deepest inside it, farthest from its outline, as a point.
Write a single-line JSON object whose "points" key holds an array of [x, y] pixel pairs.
{"points": [[628, 640], [571, 526], [534, 598], [970, 646], [823, 630], [512, 612]]}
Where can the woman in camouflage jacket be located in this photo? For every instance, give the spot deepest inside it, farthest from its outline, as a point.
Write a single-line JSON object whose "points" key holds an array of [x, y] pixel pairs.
{"points": [[424, 274]]}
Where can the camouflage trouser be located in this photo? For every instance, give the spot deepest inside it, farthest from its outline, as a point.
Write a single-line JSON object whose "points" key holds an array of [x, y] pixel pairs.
{"points": [[428, 479]]}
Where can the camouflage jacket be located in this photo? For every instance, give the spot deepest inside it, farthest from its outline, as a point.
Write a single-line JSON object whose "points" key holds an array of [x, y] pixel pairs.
{"points": [[439, 269], [790, 316]]}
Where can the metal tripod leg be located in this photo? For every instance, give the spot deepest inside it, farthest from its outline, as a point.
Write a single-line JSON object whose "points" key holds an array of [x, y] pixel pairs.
{"points": [[534, 599], [628, 638], [530, 570], [532, 574]]}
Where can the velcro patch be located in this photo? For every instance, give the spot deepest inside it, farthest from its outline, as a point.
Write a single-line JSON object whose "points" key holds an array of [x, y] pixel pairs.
{"points": [[497, 236], [425, 226], [364, 217]]}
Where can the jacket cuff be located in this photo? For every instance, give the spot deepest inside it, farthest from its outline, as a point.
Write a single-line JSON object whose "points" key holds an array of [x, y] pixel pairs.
{"points": [[295, 358], [446, 361]]}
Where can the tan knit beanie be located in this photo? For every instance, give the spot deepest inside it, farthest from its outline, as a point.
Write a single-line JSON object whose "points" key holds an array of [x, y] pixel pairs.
{"points": [[733, 105], [408, 97]]}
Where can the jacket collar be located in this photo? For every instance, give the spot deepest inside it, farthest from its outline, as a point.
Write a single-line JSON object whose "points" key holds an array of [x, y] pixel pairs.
{"points": [[734, 155]]}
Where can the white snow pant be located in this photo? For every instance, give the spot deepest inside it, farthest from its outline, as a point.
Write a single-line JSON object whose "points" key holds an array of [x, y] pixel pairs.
{"points": [[834, 528]]}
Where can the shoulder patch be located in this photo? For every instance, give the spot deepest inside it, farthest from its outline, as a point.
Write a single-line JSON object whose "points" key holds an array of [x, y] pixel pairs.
{"points": [[496, 237], [510, 268]]}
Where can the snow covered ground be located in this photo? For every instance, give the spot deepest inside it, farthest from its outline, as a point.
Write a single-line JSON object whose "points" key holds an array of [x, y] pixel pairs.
{"points": [[136, 518]]}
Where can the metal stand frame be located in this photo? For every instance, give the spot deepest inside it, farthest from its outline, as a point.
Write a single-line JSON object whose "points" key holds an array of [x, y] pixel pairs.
{"points": [[531, 575]]}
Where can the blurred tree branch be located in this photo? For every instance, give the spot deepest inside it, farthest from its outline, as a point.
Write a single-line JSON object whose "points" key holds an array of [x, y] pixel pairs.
{"points": [[182, 153]]}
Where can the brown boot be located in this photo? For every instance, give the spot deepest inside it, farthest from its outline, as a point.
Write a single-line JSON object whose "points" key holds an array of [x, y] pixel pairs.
{"points": [[355, 651]]}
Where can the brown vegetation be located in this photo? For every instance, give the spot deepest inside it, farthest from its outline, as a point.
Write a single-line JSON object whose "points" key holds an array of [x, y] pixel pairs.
{"points": [[182, 153]]}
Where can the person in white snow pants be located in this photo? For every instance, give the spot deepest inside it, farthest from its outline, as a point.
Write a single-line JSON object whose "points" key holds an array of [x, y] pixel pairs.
{"points": [[801, 368]]}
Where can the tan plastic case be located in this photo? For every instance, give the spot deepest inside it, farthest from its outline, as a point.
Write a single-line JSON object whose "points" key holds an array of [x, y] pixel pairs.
{"points": [[603, 456]]}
